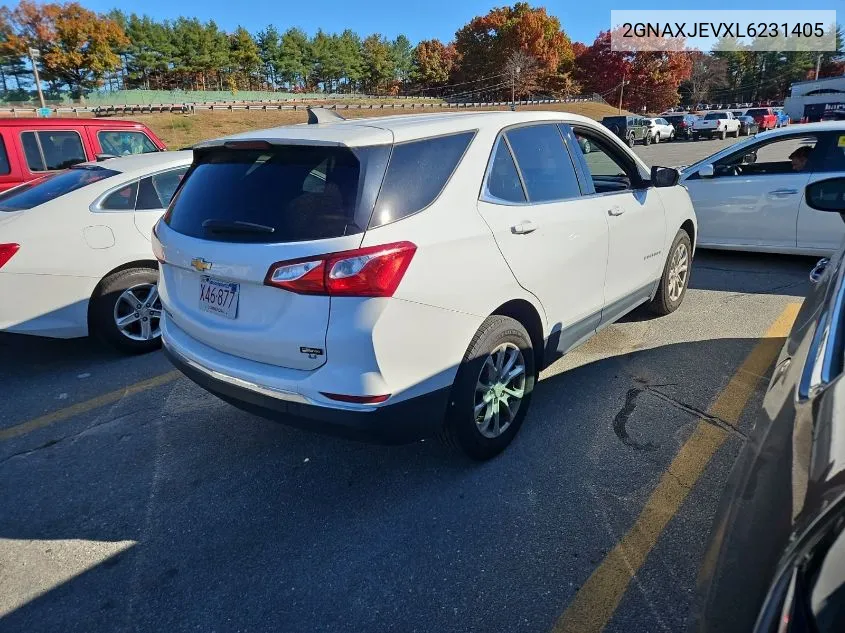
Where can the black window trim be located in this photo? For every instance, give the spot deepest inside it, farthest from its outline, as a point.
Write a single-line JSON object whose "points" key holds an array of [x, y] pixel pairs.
{"points": [[473, 132], [5, 149], [486, 196], [41, 149], [96, 206], [638, 182]]}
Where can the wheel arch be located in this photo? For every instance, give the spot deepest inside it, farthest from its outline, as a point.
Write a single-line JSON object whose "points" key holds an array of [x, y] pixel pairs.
{"points": [[524, 312], [138, 263], [689, 226]]}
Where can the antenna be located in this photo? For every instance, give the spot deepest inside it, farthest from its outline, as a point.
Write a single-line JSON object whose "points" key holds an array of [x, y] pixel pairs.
{"points": [[323, 115]]}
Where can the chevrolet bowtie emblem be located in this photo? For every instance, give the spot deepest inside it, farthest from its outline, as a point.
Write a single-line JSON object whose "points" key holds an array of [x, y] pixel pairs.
{"points": [[200, 264]]}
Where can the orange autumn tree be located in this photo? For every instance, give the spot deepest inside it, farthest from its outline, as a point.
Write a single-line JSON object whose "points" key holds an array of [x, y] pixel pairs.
{"points": [[486, 43], [77, 45], [651, 78]]}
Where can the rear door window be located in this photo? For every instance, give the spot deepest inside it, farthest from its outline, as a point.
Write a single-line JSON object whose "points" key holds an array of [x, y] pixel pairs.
{"points": [[417, 173], [270, 194], [544, 163], [503, 182], [124, 143], [50, 150], [121, 200], [156, 191]]}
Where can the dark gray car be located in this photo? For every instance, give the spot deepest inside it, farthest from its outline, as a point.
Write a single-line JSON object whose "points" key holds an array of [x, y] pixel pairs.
{"points": [[776, 560], [629, 128]]}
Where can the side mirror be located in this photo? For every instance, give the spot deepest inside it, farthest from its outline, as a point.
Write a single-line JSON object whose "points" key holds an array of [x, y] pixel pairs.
{"points": [[664, 176], [101, 157], [706, 171], [826, 195]]}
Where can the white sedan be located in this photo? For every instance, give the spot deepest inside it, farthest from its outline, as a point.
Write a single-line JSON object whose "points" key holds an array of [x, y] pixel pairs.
{"points": [[750, 196], [75, 250], [659, 129]]}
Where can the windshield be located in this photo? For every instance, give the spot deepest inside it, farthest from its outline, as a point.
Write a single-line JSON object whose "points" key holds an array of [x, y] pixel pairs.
{"points": [[38, 192], [614, 119]]}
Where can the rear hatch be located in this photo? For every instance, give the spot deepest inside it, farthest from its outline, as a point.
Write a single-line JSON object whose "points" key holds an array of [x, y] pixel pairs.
{"points": [[246, 206]]}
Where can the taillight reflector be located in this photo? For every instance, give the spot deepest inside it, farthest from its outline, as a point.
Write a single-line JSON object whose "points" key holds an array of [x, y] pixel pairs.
{"points": [[355, 399], [374, 271], [7, 251], [158, 249]]}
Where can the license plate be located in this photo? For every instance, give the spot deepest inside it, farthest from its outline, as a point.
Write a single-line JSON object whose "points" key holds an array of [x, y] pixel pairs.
{"points": [[219, 297]]}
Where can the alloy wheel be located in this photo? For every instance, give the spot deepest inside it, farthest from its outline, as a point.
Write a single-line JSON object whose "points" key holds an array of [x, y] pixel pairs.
{"points": [[499, 390], [678, 272], [137, 312]]}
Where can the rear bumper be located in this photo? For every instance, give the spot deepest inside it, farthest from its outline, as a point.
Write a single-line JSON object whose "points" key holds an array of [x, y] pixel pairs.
{"points": [[403, 422]]}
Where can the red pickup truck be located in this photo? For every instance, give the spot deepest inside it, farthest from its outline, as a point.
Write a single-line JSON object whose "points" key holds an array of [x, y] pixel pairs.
{"points": [[32, 147], [765, 118]]}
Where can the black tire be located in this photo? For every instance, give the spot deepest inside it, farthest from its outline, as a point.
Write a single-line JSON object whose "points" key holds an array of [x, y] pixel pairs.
{"points": [[663, 304], [102, 310], [460, 429], [657, 138], [671, 136], [723, 135], [647, 140], [631, 141]]}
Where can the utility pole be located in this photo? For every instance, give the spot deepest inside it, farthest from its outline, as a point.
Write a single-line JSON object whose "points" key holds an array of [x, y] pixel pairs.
{"points": [[34, 54], [513, 85], [621, 92], [818, 65]]}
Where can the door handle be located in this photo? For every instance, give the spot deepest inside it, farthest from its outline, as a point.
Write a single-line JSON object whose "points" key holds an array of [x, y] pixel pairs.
{"points": [[526, 226], [780, 193], [615, 210]]}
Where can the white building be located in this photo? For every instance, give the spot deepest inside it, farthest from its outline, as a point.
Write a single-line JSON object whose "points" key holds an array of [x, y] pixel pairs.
{"points": [[811, 98]]}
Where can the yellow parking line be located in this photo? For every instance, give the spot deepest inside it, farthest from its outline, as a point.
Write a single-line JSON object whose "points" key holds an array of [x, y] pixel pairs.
{"points": [[597, 600], [88, 405]]}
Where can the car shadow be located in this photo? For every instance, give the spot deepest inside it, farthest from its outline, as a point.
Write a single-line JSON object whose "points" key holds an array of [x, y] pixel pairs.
{"points": [[751, 273], [231, 522]]}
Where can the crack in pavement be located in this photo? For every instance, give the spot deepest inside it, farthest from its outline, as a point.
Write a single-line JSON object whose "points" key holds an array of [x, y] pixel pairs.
{"points": [[695, 411], [55, 441], [738, 295]]}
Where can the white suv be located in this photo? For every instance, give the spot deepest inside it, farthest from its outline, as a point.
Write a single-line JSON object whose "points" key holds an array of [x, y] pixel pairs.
{"points": [[396, 277]]}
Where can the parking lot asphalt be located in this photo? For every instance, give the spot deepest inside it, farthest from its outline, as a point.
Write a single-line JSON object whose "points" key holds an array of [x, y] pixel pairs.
{"points": [[131, 500]]}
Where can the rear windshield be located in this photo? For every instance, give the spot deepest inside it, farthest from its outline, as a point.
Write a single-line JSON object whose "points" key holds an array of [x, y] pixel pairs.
{"points": [[715, 115], [286, 193], [674, 119], [757, 112], [31, 195]]}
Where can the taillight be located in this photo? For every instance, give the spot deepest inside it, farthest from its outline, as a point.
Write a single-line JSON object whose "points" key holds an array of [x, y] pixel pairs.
{"points": [[158, 249], [374, 271], [7, 251]]}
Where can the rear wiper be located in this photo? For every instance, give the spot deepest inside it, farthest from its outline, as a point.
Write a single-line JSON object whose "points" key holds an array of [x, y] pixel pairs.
{"points": [[236, 226]]}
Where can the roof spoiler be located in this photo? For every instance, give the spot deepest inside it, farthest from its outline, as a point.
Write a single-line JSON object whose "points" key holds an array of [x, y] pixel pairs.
{"points": [[323, 115]]}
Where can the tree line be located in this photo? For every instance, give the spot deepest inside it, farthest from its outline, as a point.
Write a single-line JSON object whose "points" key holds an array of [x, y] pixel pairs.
{"points": [[514, 51]]}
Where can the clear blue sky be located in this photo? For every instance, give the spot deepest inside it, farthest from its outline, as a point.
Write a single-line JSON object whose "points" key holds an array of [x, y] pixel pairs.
{"points": [[418, 20]]}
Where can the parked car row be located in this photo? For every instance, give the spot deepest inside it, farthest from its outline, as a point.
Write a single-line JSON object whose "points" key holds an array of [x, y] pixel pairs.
{"points": [[632, 129]]}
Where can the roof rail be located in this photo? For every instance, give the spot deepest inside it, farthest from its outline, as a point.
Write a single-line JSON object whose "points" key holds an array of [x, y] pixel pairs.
{"points": [[323, 115]]}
